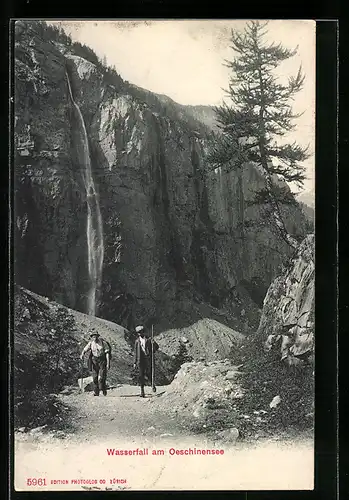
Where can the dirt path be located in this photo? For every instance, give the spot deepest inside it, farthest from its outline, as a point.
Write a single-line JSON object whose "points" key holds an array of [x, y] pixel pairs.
{"points": [[122, 414], [122, 420]]}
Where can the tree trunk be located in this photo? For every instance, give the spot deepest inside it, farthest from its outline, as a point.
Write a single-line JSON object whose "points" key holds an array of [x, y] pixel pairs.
{"points": [[276, 213], [278, 220]]}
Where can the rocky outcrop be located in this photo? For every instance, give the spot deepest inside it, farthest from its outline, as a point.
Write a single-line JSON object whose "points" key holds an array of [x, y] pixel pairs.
{"points": [[204, 394], [174, 232], [288, 313]]}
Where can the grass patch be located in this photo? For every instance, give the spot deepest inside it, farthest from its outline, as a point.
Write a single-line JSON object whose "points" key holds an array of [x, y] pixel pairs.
{"points": [[265, 376]]}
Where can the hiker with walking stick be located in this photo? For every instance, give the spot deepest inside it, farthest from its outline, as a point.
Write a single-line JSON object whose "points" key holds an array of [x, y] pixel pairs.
{"points": [[144, 358]]}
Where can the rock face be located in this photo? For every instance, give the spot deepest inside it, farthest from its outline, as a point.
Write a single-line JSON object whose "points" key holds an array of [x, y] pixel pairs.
{"points": [[173, 231], [288, 314]]}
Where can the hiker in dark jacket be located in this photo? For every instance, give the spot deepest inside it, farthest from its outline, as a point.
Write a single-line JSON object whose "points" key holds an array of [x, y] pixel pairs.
{"points": [[99, 362], [143, 357]]}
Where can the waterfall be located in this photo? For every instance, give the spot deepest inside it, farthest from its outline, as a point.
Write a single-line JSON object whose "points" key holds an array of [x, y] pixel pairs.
{"points": [[94, 227]]}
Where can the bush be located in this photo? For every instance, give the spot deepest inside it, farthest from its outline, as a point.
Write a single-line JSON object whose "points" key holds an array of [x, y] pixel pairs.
{"points": [[35, 408], [45, 362]]}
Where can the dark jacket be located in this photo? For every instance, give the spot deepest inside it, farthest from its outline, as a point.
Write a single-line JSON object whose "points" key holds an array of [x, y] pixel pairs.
{"points": [[137, 353]]}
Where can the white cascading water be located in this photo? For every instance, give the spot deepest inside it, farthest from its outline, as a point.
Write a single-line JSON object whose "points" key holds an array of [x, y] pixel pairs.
{"points": [[94, 228]]}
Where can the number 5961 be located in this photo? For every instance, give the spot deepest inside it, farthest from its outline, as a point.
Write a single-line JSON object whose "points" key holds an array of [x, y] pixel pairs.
{"points": [[34, 481]]}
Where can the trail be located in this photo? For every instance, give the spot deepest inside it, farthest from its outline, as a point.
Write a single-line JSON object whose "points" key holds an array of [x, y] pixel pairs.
{"points": [[124, 420], [123, 413]]}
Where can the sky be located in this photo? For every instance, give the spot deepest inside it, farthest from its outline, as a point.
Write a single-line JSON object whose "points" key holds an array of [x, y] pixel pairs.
{"points": [[184, 59]]}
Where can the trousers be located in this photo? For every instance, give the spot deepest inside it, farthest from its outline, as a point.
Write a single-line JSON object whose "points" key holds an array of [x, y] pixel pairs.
{"points": [[99, 374], [144, 372]]}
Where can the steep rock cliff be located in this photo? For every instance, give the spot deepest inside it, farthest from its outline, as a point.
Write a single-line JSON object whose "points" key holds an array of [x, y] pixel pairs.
{"points": [[174, 232], [288, 314]]}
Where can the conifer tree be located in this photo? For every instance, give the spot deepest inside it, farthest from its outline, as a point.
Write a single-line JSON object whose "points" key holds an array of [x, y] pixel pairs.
{"points": [[260, 114]]}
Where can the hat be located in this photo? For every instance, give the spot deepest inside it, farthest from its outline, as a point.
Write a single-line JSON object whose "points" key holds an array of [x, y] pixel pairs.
{"points": [[139, 329], [94, 334]]}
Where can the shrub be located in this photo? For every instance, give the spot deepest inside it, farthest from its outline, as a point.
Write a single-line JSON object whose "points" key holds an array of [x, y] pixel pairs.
{"points": [[45, 361]]}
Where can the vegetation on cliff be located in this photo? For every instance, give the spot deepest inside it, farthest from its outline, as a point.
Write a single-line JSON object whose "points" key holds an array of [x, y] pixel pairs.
{"points": [[259, 116]]}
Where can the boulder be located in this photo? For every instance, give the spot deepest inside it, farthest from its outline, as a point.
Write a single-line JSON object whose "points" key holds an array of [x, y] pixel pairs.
{"points": [[275, 401], [86, 384], [200, 390], [230, 375], [229, 435], [38, 430]]}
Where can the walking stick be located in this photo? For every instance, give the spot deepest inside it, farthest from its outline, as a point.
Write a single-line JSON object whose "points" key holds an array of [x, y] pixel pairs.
{"points": [[82, 373], [152, 359]]}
